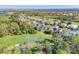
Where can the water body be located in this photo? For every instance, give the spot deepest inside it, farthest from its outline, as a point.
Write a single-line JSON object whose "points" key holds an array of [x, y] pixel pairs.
{"points": [[3, 14]]}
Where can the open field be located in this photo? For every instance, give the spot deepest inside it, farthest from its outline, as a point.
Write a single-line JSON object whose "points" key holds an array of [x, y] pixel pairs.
{"points": [[17, 39], [12, 41]]}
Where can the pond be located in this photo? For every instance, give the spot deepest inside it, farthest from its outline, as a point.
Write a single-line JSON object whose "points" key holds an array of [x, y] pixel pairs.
{"points": [[3, 14]]}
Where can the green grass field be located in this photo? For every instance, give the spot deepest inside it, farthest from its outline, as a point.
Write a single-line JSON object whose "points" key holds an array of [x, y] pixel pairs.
{"points": [[16, 39]]}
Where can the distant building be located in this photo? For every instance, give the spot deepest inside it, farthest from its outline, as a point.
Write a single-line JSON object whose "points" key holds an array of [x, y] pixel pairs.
{"points": [[9, 11], [77, 18]]}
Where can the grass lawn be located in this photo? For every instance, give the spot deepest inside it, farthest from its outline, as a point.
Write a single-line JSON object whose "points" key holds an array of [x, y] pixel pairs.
{"points": [[76, 38], [16, 39]]}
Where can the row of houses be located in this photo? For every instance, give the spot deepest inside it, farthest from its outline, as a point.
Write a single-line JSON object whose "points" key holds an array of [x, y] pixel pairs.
{"points": [[56, 25]]}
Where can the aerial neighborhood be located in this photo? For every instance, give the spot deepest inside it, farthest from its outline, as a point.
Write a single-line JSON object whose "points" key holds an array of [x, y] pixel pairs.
{"points": [[39, 31]]}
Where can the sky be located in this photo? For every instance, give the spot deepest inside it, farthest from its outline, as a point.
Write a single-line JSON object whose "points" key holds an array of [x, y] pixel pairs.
{"points": [[38, 6]]}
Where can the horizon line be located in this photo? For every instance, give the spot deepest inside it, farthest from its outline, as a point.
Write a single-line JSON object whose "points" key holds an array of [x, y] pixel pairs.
{"points": [[39, 6]]}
